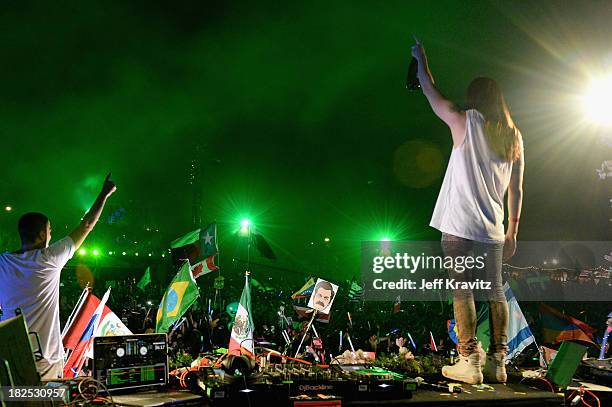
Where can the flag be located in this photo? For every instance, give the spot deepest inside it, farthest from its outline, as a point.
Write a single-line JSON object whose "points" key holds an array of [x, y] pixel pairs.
{"points": [[77, 357], [241, 339], [557, 327], [110, 325], [305, 312], [355, 292], [204, 267], [185, 240], [78, 319], [519, 333], [199, 247], [260, 286], [305, 291], [145, 280], [432, 343], [411, 340], [262, 245], [180, 295], [208, 240], [453, 332], [397, 305]]}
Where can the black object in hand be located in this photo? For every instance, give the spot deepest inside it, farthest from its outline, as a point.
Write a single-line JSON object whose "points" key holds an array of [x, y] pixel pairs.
{"points": [[412, 82]]}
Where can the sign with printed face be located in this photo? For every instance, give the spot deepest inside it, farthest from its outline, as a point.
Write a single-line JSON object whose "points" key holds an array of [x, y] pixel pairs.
{"points": [[323, 296]]}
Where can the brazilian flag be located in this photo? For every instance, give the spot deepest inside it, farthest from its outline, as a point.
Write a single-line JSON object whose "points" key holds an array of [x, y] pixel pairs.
{"points": [[180, 295]]}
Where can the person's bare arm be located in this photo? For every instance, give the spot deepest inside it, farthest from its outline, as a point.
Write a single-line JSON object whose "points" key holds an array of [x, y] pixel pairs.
{"points": [[91, 218], [442, 107], [515, 203]]}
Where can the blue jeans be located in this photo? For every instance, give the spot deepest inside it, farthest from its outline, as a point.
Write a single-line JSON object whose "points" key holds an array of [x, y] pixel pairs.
{"points": [[463, 299]]}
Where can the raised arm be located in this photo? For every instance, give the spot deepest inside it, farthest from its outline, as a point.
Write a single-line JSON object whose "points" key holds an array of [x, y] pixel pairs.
{"points": [[91, 218], [442, 107], [515, 203]]}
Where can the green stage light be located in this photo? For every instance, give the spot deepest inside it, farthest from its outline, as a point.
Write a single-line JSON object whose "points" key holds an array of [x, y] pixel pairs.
{"points": [[163, 255], [123, 253], [96, 252], [150, 254], [8, 208], [82, 252], [245, 227], [385, 239], [327, 240], [110, 253], [136, 254]]}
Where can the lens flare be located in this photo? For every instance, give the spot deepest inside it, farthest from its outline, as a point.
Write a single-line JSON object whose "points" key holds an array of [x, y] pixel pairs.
{"points": [[597, 102]]}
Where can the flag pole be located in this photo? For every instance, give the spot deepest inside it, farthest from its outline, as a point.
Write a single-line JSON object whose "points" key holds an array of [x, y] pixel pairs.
{"points": [[540, 352], [76, 310], [314, 314]]}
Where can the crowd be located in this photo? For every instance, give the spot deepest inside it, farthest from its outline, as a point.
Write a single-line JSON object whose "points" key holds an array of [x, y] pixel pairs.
{"points": [[371, 325]]}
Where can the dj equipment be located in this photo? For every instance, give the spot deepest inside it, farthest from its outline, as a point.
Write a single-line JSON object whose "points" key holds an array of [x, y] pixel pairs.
{"points": [[17, 365], [282, 383], [597, 370], [131, 361]]}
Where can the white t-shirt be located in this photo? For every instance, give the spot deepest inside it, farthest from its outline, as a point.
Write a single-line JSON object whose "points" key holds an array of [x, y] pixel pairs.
{"points": [[471, 199], [30, 281]]}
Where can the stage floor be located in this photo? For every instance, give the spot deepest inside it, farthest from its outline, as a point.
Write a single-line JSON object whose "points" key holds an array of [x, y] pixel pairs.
{"points": [[497, 394], [494, 394]]}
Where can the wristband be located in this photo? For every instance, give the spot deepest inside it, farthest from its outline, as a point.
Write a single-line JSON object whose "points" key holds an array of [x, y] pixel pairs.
{"points": [[515, 220]]}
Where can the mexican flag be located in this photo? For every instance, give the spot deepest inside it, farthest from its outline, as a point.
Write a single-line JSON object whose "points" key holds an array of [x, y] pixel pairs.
{"points": [[110, 325], [199, 247], [180, 295], [241, 340]]}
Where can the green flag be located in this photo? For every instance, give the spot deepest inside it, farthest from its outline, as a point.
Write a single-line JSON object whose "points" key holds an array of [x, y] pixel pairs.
{"points": [[188, 238], [260, 286], [145, 280], [180, 295]]}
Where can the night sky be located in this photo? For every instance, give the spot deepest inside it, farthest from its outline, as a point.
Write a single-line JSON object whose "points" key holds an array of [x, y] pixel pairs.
{"points": [[299, 112]]}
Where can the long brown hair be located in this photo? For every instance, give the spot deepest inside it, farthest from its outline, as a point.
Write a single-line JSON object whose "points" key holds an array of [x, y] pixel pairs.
{"points": [[485, 95]]}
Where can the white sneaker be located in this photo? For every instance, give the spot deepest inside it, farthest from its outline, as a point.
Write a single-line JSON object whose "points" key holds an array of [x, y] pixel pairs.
{"points": [[495, 368], [466, 370]]}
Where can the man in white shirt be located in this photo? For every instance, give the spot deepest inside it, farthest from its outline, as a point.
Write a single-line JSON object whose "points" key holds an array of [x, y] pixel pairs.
{"points": [[30, 278]]}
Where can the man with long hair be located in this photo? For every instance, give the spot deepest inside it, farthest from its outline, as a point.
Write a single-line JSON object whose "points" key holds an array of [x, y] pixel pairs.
{"points": [[30, 278], [485, 163]]}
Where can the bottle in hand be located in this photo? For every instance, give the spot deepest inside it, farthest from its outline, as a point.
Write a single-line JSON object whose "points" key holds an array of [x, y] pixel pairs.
{"points": [[412, 82]]}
